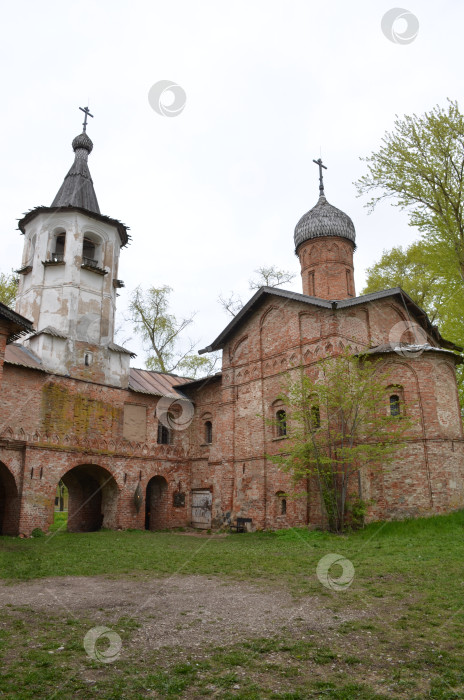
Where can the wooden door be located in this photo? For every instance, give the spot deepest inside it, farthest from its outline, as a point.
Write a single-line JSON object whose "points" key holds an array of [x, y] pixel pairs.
{"points": [[201, 508]]}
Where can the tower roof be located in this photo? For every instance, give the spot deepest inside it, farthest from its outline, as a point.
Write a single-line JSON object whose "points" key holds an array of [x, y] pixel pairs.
{"points": [[77, 188], [324, 220]]}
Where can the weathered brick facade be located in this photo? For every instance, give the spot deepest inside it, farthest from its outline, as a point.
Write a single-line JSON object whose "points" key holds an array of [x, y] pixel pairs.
{"points": [[118, 440]]}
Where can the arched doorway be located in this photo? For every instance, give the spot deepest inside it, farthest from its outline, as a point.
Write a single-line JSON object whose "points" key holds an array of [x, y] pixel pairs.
{"points": [[92, 498], [9, 503], [156, 503]]}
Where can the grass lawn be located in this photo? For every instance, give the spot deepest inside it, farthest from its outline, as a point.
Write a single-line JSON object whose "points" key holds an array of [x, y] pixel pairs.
{"points": [[407, 641]]}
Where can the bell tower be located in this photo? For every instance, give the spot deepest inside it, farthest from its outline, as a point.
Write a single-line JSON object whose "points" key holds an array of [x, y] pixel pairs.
{"points": [[324, 243], [69, 278]]}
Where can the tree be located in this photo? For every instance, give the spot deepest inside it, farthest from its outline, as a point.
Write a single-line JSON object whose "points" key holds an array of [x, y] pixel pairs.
{"points": [[8, 288], [266, 277], [337, 426], [421, 164], [160, 331], [431, 282]]}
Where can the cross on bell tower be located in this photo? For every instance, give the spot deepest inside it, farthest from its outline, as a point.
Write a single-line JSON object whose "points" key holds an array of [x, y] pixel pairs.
{"points": [[87, 114], [321, 178]]}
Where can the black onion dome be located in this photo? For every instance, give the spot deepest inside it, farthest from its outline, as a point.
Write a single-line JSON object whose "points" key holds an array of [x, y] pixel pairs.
{"points": [[324, 220], [82, 141]]}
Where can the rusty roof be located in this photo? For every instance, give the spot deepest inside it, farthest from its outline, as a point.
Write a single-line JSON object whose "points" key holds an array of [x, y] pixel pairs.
{"points": [[144, 381], [20, 324], [16, 354]]}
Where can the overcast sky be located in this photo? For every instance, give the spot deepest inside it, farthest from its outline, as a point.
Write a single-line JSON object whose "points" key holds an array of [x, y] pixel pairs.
{"points": [[214, 192]]}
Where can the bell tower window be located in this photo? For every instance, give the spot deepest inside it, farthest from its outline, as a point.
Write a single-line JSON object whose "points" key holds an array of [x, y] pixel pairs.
{"points": [[88, 252], [59, 246]]}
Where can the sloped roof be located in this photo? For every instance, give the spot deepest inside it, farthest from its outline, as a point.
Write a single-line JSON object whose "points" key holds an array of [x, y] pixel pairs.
{"points": [[16, 354], [20, 324], [32, 213], [265, 292], [77, 188], [145, 381]]}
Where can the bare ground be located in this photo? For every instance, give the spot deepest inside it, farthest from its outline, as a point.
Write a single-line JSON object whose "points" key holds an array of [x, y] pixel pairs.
{"points": [[180, 610]]}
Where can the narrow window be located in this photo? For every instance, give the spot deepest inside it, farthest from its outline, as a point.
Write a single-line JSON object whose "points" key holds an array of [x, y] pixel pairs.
{"points": [[315, 418], [311, 286], [208, 432], [87, 359], [164, 435], [395, 405], [60, 242], [281, 418], [283, 506], [348, 283], [88, 253]]}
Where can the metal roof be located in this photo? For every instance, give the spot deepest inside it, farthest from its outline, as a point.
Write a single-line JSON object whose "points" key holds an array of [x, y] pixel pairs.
{"points": [[324, 220], [145, 381], [264, 292], [411, 350], [16, 354]]}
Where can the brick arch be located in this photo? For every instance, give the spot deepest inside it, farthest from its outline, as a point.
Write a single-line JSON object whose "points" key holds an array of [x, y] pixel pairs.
{"points": [[9, 502], [93, 498], [156, 503]]}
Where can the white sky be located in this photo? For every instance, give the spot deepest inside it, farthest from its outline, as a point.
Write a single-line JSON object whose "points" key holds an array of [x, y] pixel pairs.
{"points": [[215, 192]]}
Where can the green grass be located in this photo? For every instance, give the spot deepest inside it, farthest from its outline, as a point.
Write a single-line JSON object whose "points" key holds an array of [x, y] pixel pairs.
{"points": [[405, 640]]}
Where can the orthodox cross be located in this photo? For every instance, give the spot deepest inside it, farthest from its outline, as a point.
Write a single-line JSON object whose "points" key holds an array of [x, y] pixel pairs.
{"points": [[321, 179], [87, 114]]}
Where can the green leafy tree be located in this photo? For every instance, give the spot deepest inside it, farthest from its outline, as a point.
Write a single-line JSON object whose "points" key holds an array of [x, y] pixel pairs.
{"points": [[421, 165], [431, 282], [160, 331], [337, 426], [8, 288]]}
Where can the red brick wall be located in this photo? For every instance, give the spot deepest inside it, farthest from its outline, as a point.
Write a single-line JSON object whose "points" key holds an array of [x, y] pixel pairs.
{"points": [[327, 267]]}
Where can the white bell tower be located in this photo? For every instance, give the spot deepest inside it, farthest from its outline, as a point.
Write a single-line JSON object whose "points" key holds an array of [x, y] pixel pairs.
{"points": [[69, 279]]}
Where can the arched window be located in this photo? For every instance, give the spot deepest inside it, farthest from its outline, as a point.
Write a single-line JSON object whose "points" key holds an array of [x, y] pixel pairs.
{"points": [[315, 417], [60, 243], [281, 421], [395, 405], [88, 252], [164, 435], [208, 432]]}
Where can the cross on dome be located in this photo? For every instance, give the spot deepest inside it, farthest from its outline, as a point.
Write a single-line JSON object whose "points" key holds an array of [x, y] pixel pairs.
{"points": [[321, 179], [87, 114]]}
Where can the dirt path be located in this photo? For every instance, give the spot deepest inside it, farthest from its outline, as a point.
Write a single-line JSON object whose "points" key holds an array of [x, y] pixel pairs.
{"points": [[184, 610]]}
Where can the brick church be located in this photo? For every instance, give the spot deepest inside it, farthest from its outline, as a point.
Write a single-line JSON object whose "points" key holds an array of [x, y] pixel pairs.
{"points": [[141, 449]]}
